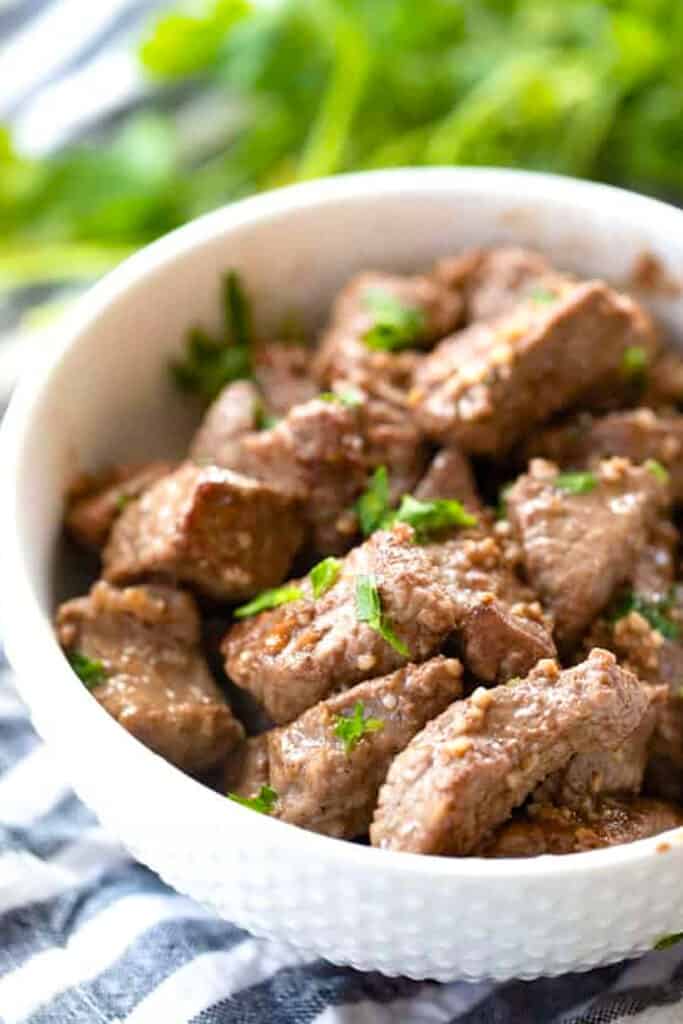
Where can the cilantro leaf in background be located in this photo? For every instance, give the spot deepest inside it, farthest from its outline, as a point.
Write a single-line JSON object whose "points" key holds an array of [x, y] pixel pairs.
{"points": [[350, 729]]}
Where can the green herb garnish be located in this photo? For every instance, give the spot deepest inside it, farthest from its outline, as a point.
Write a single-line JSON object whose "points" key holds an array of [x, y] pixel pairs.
{"points": [[262, 419], [122, 501], [543, 296], [657, 470], [90, 671], [351, 399], [428, 517], [264, 803], [396, 325], [373, 507], [350, 729], [654, 612], [210, 363], [576, 483], [324, 575], [634, 363], [667, 941], [269, 599], [369, 610]]}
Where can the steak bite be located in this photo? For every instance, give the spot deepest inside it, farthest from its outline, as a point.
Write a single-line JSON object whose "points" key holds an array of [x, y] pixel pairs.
{"points": [[450, 476], [469, 768], [664, 774], [295, 655], [283, 373], [544, 829], [95, 502], [581, 535], [225, 534], [327, 777], [637, 434], [230, 417], [156, 682], [485, 387]]}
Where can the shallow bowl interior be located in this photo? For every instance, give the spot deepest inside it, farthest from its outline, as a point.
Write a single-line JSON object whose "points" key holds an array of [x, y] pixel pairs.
{"points": [[104, 393]]}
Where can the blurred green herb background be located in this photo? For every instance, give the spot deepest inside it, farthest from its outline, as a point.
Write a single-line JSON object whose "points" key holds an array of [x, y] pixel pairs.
{"points": [[313, 87]]}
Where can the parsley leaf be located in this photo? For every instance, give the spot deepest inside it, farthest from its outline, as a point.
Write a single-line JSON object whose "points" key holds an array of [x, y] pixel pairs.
{"points": [[542, 295], [269, 599], [654, 612], [657, 470], [210, 363], [634, 363], [427, 517], [576, 483], [667, 941], [123, 500], [264, 803], [90, 671], [349, 398], [369, 610], [396, 325], [324, 575], [373, 506], [350, 729]]}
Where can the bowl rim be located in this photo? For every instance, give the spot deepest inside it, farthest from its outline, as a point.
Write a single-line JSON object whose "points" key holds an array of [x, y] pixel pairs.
{"points": [[22, 616]]}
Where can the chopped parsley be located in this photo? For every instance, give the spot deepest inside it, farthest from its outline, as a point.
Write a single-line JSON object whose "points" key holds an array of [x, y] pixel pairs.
{"points": [[350, 399], [369, 610], [209, 363], [657, 470], [576, 483], [634, 363], [654, 612], [269, 599], [324, 575], [667, 941], [373, 506], [122, 501], [396, 325], [427, 517], [262, 419], [90, 671], [542, 295], [264, 803], [350, 729]]}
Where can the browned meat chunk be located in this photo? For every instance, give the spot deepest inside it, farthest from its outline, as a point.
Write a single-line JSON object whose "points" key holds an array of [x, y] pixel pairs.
{"points": [[664, 776], [450, 476], [96, 502], [487, 386], [246, 768], [580, 542], [295, 655], [637, 434], [208, 527], [157, 683], [330, 786], [317, 454], [664, 381], [283, 374], [392, 440], [557, 830], [230, 417], [470, 767]]}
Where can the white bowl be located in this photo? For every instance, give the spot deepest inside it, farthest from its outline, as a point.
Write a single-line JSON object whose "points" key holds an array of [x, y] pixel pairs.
{"points": [[103, 393]]}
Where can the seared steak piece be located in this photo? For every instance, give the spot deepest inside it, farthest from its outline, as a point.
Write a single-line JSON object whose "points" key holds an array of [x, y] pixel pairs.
{"points": [[246, 768], [664, 381], [157, 684], [295, 655], [283, 373], [95, 502], [487, 386], [391, 439], [229, 418], [579, 543], [469, 768], [208, 527], [557, 830], [637, 434], [317, 454], [450, 476], [330, 786], [664, 775]]}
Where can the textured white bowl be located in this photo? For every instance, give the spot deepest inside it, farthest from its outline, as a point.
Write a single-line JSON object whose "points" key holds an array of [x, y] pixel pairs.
{"points": [[103, 392]]}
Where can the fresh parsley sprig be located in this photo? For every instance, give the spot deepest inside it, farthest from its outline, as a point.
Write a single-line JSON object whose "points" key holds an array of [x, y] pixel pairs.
{"points": [[369, 610], [430, 517], [264, 803], [269, 599], [350, 729], [90, 671], [576, 483], [395, 326]]}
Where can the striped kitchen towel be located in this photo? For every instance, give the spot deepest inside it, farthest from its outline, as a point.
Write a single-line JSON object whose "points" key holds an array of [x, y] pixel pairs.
{"points": [[88, 936]]}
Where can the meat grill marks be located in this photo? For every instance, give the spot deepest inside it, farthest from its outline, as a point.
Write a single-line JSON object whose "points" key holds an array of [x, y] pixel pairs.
{"points": [[295, 655], [96, 502], [328, 786], [486, 387], [578, 548], [467, 770], [157, 684], [208, 527]]}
